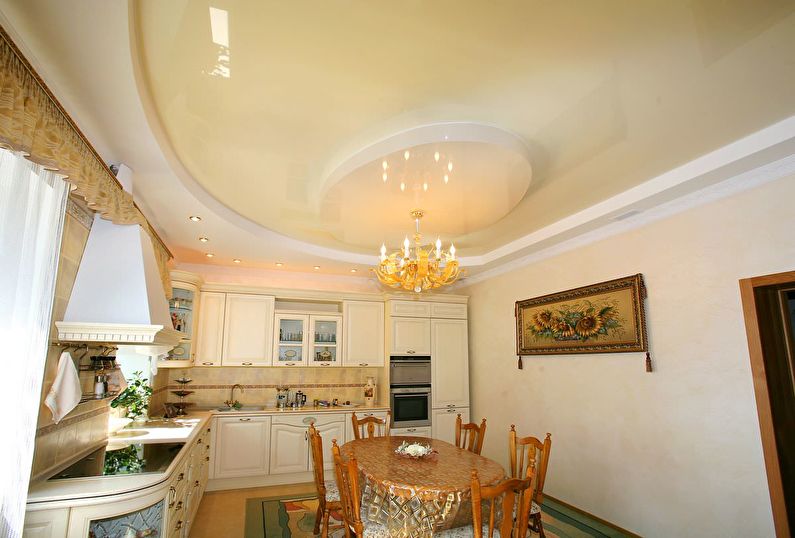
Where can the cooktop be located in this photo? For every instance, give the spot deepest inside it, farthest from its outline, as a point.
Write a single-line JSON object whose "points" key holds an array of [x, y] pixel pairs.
{"points": [[123, 459]]}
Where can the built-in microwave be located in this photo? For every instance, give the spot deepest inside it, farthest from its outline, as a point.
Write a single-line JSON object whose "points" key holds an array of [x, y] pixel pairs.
{"points": [[409, 370], [411, 406]]}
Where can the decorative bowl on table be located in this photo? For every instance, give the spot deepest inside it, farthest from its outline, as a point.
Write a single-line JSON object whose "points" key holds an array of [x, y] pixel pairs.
{"points": [[415, 450]]}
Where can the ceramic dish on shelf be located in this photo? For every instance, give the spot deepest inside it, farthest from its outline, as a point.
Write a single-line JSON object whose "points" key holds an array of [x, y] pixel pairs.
{"points": [[290, 353]]}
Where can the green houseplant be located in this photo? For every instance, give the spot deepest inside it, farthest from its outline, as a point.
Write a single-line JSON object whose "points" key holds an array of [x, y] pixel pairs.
{"points": [[135, 397]]}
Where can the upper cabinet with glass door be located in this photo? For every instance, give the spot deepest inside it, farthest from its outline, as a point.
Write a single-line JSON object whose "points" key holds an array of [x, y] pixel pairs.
{"points": [[291, 340], [183, 307], [325, 332]]}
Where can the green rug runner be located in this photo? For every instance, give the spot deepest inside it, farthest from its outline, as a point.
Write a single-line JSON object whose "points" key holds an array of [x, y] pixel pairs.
{"points": [[294, 516]]}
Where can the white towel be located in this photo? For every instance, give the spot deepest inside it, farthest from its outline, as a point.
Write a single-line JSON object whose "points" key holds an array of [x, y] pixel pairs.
{"points": [[66, 391]]}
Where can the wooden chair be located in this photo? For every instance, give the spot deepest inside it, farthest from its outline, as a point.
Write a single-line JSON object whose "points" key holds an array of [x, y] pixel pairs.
{"points": [[470, 436], [347, 472], [328, 494], [537, 454], [366, 427]]}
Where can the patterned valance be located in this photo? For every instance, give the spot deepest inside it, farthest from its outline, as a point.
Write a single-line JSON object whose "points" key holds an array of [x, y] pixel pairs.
{"points": [[34, 122]]}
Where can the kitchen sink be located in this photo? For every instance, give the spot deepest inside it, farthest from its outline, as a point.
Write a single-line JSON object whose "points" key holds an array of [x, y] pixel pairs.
{"points": [[244, 408]]}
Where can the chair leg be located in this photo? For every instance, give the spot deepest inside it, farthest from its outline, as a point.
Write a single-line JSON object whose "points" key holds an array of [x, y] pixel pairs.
{"points": [[324, 531], [536, 525], [318, 517]]}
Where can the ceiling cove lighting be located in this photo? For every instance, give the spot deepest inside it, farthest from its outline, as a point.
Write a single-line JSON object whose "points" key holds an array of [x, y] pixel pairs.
{"points": [[210, 255], [203, 239], [195, 218], [418, 268], [279, 264], [236, 260]]}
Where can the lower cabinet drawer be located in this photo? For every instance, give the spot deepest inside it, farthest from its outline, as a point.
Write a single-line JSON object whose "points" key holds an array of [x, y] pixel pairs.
{"points": [[424, 431]]}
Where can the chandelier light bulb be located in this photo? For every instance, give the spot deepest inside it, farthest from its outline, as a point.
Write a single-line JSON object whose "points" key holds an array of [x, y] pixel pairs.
{"points": [[384, 176], [446, 178], [450, 166], [438, 244], [406, 155], [452, 251], [406, 247], [436, 156]]}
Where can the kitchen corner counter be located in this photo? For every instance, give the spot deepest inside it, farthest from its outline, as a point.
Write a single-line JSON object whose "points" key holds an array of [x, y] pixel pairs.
{"points": [[273, 410]]}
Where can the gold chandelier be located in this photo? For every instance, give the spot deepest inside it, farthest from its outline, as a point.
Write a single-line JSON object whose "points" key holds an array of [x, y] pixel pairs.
{"points": [[421, 267]]}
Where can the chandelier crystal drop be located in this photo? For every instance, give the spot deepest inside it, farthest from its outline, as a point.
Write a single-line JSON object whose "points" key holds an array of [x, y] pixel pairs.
{"points": [[420, 268]]}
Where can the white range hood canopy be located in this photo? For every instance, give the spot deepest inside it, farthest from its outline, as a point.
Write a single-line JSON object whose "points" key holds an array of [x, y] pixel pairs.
{"points": [[118, 296]]}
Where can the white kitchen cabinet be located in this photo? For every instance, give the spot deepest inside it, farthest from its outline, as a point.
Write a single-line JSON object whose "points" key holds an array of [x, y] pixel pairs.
{"points": [[360, 414], [46, 523], [210, 337], [291, 336], [449, 310], [289, 448], [410, 309], [443, 422], [241, 446], [449, 363], [410, 336], [419, 431], [248, 329], [363, 323], [325, 337]]}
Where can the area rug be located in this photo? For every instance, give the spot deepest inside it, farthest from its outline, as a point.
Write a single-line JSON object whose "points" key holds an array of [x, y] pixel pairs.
{"points": [[294, 516]]}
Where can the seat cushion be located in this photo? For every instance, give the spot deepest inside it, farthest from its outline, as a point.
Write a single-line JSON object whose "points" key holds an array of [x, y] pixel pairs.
{"points": [[464, 532], [332, 491], [535, 509]]}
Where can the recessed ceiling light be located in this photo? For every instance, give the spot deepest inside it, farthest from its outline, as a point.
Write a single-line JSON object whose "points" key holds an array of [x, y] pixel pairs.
{"points": [[317, 268], [446, 178], [353, 270], [203, 239], [209, 254], [195, 218], [279, 264], [402, 186], [236, 260], [425, 186]]}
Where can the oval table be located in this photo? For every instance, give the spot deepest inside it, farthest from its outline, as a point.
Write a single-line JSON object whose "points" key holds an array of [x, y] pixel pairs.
{"points": [[416, 497]]}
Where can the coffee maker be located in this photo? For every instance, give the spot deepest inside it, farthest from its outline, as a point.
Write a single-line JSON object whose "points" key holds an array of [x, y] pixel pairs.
{"points": [[282, 396]]}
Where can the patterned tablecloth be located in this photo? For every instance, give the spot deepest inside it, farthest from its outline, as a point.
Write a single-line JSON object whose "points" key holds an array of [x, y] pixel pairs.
{"points": [[418, 497]]}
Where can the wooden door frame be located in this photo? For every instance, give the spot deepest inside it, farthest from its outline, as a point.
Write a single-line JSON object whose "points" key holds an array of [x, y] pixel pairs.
{"points": [[766, 428]]}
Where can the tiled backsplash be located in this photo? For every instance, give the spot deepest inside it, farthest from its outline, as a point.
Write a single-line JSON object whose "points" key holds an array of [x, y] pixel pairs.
{"points": [[212, 386]]}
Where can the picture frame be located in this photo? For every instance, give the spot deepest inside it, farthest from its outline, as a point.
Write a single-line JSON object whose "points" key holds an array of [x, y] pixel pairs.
{"points": [[608, 317]]}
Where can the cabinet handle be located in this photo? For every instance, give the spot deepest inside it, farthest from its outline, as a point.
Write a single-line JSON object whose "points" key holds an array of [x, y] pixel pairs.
{"points": [[207, 458], [410, 351], [247, 363], [199, 441], [451, 410], [244, 419], [207, 364], [196, 484], [172, 492], [411, 429], [289, 364], [450, 405], [178, 507], [364, 364], [208, 430], [178, 526], [325, 364], [180, 476]]}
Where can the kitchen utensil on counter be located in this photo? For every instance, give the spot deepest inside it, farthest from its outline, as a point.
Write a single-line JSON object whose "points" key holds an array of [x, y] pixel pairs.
{"points": [[300, 399], [282, 396]]}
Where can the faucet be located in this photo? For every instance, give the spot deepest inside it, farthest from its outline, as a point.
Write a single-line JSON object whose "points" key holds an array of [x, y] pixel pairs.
{"points": [[231, 401]]}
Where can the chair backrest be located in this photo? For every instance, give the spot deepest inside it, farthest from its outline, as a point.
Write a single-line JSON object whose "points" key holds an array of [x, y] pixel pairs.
{"points": [[501, 499], [469, 436], [316, 447], [347, 472], [530, 450], [371, 426]]}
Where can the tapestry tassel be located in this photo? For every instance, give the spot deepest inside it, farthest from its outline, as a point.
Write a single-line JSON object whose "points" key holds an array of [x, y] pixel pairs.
{"points": [[520, 362], [648, 362]]}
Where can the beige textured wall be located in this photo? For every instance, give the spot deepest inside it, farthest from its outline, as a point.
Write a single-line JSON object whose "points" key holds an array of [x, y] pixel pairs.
{"points": [[673, 453], [212, 386]]}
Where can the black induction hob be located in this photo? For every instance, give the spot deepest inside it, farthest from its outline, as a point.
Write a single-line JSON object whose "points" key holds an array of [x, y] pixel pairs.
{"points": [[126, 459]]}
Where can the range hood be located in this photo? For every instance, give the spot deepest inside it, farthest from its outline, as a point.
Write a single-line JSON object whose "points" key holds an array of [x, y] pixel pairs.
{"points": [[118, 295]]}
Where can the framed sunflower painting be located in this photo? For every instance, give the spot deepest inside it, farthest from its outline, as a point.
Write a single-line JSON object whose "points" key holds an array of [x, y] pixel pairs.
{"points": [[602, 318]]}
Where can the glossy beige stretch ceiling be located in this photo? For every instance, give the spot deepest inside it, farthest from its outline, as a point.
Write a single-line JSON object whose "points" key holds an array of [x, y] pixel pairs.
{"points": [[604, 95]]}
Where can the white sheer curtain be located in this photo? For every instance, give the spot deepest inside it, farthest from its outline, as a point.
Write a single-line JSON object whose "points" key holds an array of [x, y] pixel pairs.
{"points": [[32, 207]]}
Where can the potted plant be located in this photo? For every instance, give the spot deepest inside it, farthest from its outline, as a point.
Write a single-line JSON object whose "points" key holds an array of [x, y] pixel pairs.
{"points": [[135, 398]]}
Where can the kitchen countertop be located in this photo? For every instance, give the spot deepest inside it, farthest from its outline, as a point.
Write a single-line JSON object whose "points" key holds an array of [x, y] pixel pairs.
{"points": [[273, 410]]}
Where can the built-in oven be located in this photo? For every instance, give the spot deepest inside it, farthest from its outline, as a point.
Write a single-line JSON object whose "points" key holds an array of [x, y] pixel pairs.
{"points": [[410, 391], [411, 406], [409, 370]]}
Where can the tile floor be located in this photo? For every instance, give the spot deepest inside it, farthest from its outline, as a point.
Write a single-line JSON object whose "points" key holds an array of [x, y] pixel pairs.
{"points": [[223, 513]]}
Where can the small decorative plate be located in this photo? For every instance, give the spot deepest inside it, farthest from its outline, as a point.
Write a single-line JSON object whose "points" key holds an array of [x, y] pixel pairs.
{"points": [[414, 450], [290, 353]]}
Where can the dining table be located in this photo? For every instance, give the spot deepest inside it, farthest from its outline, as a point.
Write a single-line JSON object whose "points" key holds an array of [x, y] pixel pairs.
{"points": [[413, 497]]}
